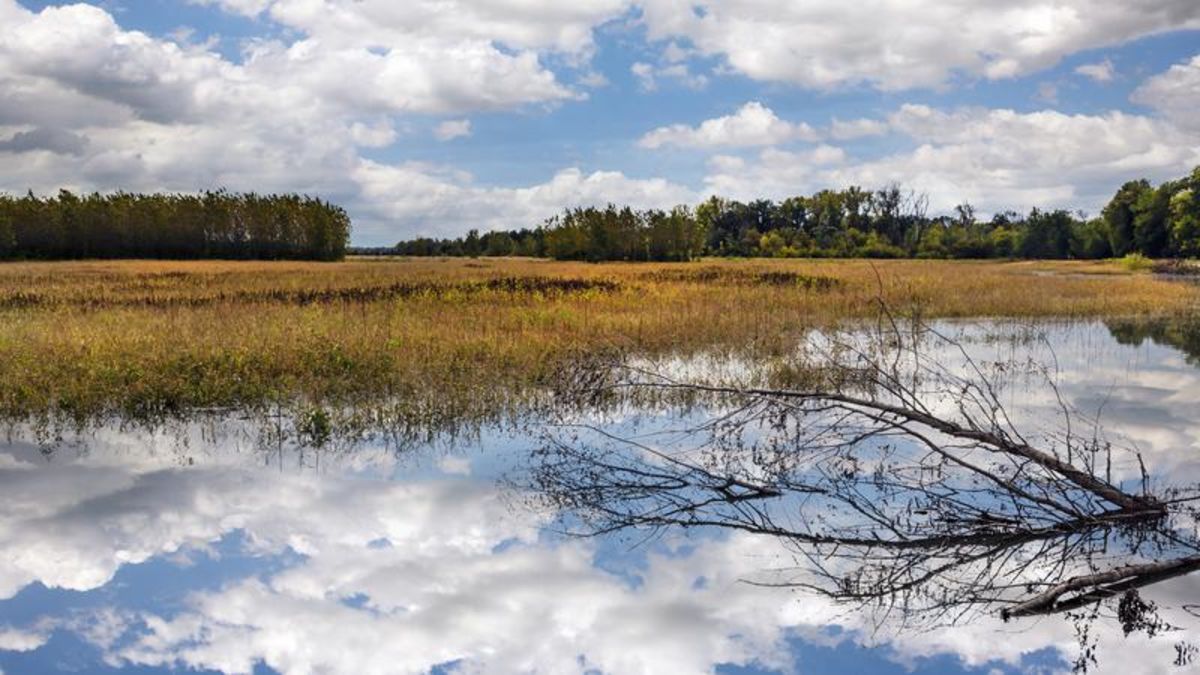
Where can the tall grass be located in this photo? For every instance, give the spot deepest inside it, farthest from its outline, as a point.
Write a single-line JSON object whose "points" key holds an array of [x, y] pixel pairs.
{"points": [[431, 342]]}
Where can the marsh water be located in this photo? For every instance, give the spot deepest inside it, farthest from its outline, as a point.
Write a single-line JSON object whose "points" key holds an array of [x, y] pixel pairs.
{"points": [[202, 548]]}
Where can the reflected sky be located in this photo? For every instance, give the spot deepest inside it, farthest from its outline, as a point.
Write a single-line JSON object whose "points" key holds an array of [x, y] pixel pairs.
{"points": [[194, 550]]}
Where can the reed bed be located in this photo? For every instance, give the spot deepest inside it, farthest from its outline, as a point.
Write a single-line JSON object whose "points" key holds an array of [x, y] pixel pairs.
{"points": [[429, 342]]}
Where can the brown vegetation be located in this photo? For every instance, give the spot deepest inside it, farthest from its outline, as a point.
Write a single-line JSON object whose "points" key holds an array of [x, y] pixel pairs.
{"points": [[442, 340]]}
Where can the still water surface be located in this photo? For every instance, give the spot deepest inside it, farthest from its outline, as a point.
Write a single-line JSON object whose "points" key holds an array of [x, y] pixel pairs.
{"points": [[200, 550]]}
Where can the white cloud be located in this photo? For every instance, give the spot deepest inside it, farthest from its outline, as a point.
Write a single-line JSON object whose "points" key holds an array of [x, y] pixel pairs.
{"points": [[996, 159], [1175, 93], [593, 80], [88, 105], [644, 72], [844, 130], [77, 58], [245, 7], [561, 27], [674, 53], [773, 174], [452, 129], [1101, 71], [78, 52], [20, 640], [425, 76], [753, 124], [373, 135], [648, 75], [437, 201], [898, 44]]}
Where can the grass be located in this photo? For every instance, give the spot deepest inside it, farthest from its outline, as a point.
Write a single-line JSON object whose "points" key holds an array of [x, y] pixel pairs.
{"points": [[426, 343]]}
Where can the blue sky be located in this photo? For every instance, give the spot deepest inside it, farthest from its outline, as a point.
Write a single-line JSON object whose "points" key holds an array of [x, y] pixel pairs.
{"points": [[434, 118]]}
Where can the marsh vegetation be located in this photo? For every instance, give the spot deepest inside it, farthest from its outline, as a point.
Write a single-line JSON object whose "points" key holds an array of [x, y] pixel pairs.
{"points": [[433, 343]]}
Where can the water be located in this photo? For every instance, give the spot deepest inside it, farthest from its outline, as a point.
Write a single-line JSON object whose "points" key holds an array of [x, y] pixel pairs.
{"points": [[200, 549]]}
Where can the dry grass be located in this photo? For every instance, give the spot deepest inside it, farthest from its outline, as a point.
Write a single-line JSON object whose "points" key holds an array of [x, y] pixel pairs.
{"points": [[442, 340]]}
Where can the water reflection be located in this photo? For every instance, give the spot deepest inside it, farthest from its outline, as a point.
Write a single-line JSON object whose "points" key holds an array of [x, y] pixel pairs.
{"points": [[215, 554], [1182, 333], [899, 477]]}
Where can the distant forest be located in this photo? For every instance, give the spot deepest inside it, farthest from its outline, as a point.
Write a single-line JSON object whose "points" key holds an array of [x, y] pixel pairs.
{"points": [[1162, 221], [210, 225]]}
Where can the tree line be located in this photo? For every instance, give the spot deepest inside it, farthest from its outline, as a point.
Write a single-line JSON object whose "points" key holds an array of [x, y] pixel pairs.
{"points": [[1162, 221], [216, 224]]}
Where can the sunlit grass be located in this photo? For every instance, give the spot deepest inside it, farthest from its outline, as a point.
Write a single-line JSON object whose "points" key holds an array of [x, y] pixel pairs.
{"points": [[428, 342]]}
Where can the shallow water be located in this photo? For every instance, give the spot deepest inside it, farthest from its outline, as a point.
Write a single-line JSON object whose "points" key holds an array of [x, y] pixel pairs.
{"points": [[199, 549]]}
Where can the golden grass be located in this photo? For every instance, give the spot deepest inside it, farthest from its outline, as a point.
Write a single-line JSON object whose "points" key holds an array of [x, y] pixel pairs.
{"points": [[440, 340]]}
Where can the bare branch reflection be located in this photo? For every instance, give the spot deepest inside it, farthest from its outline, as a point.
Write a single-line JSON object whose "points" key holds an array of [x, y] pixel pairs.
{"points": [[895, 472]]}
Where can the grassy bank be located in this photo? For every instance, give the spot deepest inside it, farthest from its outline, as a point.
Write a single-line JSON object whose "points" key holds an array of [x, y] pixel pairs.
{"points": [[441, 340]]}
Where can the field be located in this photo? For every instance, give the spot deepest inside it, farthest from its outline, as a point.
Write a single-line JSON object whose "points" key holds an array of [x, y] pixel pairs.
{"points": [[430, 342]]}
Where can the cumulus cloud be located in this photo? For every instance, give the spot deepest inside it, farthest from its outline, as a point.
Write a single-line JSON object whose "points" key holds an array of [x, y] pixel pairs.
{"points": [[786, 173], [80, 51], [563, 27], [648, 75], [90, 105], [87, 104], [438, 201], [845, 130], [899, 44], [994, 158], [1174, 93], [753, 124]]}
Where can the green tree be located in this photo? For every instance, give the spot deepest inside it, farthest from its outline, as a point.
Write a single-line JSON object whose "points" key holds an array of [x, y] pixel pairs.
{"points": [[215, 224], [472, 246], [1089, 240], [1119, 215], [772, 244], [499, 244], [8, 238], [1003, 241], [1185, 219], [1047, 235], [1151, 229]]}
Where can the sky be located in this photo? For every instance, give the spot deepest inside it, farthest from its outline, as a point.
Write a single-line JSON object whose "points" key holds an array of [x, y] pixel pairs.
{"points": [[433, 117]]}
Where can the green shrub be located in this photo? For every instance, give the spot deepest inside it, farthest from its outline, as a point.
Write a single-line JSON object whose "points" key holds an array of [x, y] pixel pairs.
{"points": [[1136, 262]]}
